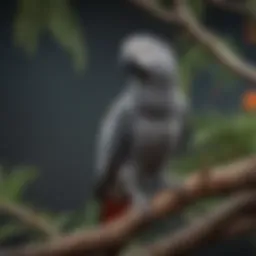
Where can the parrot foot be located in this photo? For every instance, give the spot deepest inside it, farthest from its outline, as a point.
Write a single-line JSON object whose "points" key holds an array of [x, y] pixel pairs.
{"points": [[142, 204], [176, 187]]}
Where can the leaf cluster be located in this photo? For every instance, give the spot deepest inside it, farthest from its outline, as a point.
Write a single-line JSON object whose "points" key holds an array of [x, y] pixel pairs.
{"points": [[58, 18], [13, 184]]}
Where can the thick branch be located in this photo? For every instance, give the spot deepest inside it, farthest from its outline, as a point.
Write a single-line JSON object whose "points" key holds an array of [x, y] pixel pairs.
{"points": [[28, 218], [212, 43], [233, 177], [240, 226], [223, 223]]}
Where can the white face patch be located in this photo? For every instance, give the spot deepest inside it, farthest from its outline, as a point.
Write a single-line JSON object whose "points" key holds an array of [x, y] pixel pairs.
{"points": [[150, 52]]}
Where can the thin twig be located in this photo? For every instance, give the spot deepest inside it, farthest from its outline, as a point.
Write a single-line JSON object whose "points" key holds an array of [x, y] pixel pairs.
{"points": [[29, 218], [152, 7], [212, 43]]}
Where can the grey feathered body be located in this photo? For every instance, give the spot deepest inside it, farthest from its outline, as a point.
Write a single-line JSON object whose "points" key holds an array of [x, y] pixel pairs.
{"points": [[154, 122], [142, 126], [147, 136]]}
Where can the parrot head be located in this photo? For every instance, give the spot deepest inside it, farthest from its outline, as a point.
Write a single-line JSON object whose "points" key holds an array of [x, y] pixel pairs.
{"points": [[147, 56]]}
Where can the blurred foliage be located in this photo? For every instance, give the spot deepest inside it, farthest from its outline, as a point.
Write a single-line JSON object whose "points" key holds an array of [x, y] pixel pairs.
{"points": [[196, 59], [251, 7], [197, 6], [13, 184], [34, 17], [10, 230], [219, 139]]}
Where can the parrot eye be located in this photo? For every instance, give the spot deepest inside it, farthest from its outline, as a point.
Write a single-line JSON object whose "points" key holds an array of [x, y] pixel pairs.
{"points": [[136, 70]]}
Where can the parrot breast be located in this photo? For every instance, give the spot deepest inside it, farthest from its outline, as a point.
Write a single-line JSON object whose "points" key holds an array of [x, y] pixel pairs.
{"points": [[152, 143]]}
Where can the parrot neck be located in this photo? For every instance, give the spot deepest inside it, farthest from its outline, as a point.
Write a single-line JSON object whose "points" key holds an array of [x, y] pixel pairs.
{"points": [[152, 101], [157, 84]]}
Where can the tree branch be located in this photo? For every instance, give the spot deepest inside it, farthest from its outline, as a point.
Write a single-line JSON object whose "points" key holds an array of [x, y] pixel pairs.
{"points": [[223, 223], [153, 8], [215, 45], [239, 227], [239, 8], [29, 218], [212, 43], [233, 177]]}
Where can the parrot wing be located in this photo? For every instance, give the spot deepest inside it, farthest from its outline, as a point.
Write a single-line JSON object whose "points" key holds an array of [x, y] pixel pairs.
{"points": [[113, 144]]}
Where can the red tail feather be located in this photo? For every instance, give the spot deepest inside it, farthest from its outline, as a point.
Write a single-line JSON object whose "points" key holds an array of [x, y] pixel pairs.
{"points": [[113, 208]]}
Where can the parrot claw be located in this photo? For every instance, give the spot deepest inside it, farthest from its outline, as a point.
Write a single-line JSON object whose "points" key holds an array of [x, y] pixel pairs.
{"points": [[142, 204]]}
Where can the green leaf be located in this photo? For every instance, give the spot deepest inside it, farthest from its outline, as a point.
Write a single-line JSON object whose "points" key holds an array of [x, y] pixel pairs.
{"points": [[34, 17], [14, 183], [84, 218], [202, 207], [198, 7], [251, 7], [29, 24], [92, 213], [196, 59], [193, 61], [10, 230], [64, 25], [166, 4], [218, 140], [222, 76], [62, 220], [59, 220]]}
